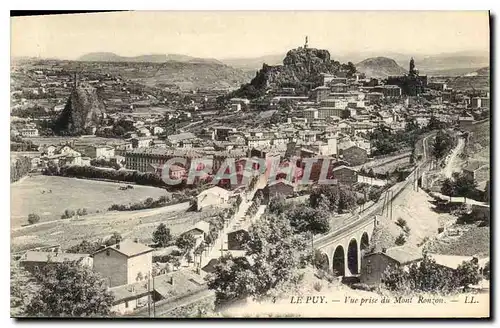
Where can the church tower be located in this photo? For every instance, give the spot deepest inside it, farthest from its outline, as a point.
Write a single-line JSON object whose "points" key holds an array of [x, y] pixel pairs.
{"points": [[305, 44]]}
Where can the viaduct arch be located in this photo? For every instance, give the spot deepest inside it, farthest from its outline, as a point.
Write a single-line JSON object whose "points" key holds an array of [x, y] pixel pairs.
{"points": [[343, 251]]}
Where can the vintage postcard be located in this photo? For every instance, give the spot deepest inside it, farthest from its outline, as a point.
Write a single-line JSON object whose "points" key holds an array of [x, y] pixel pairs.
{"points": [[255, 164]]}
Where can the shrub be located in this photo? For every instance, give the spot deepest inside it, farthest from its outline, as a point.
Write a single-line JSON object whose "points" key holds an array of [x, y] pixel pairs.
{"points": [[176, 252], [440, 230], [362, 286], [400, 222], [33, 218], [426, 239], [82, 211], [317, 286], [67, 214], [400, 240], [486, 270]]}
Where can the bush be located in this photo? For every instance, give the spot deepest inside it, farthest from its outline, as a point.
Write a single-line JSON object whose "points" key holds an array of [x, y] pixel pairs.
{"points": [[33, 218], [67, 214], [440, 230], [362, 286], [400, 222], [400, 240], [82, 211], [486, 271], [425, 240], [148, 203], [317, 286]]}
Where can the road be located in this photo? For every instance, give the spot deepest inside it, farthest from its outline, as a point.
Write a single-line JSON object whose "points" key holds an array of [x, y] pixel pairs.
{"points": [[451, 165]]}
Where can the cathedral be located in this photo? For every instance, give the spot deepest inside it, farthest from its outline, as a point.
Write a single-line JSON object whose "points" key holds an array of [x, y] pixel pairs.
{"points": [[411, 84]]}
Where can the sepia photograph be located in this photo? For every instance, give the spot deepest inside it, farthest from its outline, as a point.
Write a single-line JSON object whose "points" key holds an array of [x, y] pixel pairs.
{"points": [[250, 164]]}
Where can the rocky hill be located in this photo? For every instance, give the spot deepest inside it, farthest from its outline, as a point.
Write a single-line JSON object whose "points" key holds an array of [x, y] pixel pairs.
{"points": [[83, 111], [380, 67], [302, 68]]}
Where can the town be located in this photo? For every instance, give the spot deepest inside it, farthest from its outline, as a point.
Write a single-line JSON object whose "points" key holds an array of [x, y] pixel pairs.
{"points": [[95, 145]]}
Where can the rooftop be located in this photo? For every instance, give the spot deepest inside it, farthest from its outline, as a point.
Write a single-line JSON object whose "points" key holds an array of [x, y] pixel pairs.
{"points": [[475, 166], [128, 248]]}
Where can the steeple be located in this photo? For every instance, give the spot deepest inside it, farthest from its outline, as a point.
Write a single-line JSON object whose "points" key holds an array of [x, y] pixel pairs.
{"points": [[305, 44]]}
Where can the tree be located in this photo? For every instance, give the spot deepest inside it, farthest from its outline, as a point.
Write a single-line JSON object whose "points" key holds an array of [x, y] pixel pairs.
{"points": [[70, 289], [465, 185], [276, 205], [468, 273], [442, 144], [114, 239], [320, 260], [395, 278], [336, 198], [162, 236], [33, 218], [425, 276], [400, 240], [232, 279], [448, 188], [84, 247], [20, 289], [486, 270], [185, 242], [304, 218], [275, 252]]}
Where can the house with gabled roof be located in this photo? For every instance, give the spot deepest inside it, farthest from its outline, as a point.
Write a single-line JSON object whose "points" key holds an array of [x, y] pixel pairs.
{"points": [[123, 263]]}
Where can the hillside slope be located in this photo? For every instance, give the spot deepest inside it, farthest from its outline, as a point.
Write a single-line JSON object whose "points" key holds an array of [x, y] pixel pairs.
{"points": [[380, 67]]}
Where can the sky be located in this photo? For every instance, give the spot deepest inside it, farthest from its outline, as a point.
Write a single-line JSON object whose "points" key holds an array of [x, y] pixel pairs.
{"points": [[230, 34]]}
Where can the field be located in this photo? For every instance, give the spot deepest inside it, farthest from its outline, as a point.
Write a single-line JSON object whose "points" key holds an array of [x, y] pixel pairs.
{"points": [[130, 224], [83, 139], [32, 195]]}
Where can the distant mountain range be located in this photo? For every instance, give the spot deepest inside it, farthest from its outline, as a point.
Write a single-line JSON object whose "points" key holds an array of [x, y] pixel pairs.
{"points": [[380, 67], [451, 63], [152, 58], [255, 63]]}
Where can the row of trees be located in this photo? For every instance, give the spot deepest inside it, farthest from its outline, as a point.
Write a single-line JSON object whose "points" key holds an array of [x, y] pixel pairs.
{"points": [[428, 276], [148, 203], [101, 162]]}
